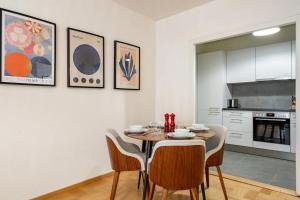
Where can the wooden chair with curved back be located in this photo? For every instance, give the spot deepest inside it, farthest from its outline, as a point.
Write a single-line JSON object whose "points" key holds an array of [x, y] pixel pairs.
{"points": [[123, 157], [175, 165], [215, 152]]}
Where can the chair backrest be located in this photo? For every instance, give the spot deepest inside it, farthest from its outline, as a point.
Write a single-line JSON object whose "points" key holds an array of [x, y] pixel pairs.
{"points": [[178, 164], [215, 145], [121, 158]]}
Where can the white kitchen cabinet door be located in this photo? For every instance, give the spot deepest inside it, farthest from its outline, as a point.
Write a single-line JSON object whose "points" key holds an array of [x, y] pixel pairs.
{"points": [[273, 62], [211, 80], [212, 90], [241, 66], [240, 127], [210, 116], [293, 59], [239, 138]]}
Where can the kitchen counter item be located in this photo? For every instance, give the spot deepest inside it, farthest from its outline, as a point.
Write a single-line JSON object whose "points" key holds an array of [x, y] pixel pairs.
{"points": [[232, 103]]}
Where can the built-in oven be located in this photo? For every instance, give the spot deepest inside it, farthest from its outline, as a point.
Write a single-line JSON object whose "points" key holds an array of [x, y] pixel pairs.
{"points": [[271, 130]]}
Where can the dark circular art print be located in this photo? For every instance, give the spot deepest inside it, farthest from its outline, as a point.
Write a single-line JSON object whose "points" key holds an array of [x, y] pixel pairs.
{"points": [[86, 59]]}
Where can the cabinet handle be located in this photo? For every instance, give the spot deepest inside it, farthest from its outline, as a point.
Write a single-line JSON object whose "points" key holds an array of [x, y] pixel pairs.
{"points": [[282, 78], [236, 136], [236, 133], [265, 79], [236, 120]]}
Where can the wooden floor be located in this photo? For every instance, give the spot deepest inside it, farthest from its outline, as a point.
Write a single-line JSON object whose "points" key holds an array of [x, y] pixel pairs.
{"points": [[127, 189]]}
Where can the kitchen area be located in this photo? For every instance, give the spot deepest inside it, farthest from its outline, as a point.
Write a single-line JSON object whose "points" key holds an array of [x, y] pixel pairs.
{"points": [[247, 83]]}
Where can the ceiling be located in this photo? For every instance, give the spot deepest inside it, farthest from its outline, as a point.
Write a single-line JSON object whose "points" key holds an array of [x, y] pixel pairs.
{"points": [[287, 33], [158, 9]]}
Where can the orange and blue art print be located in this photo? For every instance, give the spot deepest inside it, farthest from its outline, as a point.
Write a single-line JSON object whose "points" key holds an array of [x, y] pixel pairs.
{"points": [[27, 49]]}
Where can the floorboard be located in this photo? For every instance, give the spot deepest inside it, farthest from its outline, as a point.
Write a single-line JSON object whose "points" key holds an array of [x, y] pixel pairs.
{"points": [[127, 189]]}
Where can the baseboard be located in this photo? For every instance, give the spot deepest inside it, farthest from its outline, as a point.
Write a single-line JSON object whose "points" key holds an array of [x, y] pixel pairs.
{"points": [[261, 152], [71, 187], [256, 183]]}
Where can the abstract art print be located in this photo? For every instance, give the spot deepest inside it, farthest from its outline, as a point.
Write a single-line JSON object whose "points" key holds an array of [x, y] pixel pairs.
{"points": [[127, 66], [27, 49], [85, 59]]}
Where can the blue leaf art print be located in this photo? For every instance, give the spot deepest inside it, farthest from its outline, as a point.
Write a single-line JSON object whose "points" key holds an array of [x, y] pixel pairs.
{"points": [[127, 66]]}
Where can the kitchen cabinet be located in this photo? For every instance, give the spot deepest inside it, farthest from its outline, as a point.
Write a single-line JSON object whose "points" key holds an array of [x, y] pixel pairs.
{"points": [[293, 59], [273, 62], [240, 127], [241, 66], [212, 90], [293, 132], [210, 115]]}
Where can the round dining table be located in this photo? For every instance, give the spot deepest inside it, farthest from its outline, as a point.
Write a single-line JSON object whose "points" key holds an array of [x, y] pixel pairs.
{"points": [[156, 135]]}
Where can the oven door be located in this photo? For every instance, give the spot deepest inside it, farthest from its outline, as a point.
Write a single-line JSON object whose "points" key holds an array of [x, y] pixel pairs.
{"points": [[271, 130]]}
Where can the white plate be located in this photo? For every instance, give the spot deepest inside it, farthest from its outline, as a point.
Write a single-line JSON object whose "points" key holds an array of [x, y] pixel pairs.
{"points": [[143, 130], [198, 128], [188, 136]]}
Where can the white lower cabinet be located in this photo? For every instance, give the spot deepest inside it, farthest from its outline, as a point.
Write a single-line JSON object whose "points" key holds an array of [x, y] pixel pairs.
{"points": [[239, 138], [240, 127], [212, 115]]}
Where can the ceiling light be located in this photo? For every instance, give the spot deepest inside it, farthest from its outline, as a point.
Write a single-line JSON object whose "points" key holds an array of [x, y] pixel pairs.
{"points": [[265, 32]]}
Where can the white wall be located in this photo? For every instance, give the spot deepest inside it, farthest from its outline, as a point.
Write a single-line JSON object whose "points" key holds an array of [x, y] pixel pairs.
{"points": [[175, 35], [54, 137]]}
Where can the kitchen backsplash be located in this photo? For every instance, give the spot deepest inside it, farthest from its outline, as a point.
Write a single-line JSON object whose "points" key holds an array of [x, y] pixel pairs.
{"points": [[269, 94]]}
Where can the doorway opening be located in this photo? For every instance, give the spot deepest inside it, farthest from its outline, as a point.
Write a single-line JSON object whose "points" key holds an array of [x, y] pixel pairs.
{"points": [[248, 84]]}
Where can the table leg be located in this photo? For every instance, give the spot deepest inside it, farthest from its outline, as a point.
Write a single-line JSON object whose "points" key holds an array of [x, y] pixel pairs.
{"points": [[140, 173], [148, 154]]}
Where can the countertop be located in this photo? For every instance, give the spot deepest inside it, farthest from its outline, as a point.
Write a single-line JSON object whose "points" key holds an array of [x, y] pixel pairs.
{"points": [[261, 109]]}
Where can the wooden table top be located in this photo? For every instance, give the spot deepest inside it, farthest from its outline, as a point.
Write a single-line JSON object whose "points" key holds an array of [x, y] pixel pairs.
{"points": [[156, 135]]}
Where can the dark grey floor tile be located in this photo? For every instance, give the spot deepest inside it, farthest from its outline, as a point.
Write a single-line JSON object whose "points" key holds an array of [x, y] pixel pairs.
{"points": [[277, 172]]}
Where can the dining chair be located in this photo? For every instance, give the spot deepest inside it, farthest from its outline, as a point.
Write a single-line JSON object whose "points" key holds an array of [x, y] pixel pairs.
{"points": [[123, 157], [175, 165], [214, 154]]}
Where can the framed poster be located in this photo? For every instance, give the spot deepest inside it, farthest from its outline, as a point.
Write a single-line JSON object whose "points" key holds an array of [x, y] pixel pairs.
{"points": [[127, 66], [85, 59], [27, 50]]}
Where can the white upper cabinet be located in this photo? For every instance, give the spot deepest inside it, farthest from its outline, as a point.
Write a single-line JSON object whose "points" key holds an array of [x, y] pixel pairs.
{"points": [[241, 66], [273, 62], [293, 59]]}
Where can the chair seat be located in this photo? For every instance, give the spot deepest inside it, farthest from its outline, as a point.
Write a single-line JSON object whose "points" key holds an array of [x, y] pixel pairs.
{"points": [[131, 148]]}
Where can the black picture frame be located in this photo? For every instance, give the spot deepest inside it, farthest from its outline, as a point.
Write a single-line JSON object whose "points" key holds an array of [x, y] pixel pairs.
{"points": [[116, 42], [54, 48], [69, 59]]}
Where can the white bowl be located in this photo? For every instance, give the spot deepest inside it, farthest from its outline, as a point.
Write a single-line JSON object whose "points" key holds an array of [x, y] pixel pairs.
{"points": [[198, 126], [181, 132], [136, 127]]}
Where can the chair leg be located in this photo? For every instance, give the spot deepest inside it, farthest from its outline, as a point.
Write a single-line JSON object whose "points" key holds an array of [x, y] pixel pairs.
{"points": [[222, 182], [139, 180], [194, 194], [207, 176], [203, 191], [114, 186], [151, 192], [164, 195]]}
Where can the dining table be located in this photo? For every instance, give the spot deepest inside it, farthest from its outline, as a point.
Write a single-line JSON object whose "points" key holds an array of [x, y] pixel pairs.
{"points": [[153, 135]]}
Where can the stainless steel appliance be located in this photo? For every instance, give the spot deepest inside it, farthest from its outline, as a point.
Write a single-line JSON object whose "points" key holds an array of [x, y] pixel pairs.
{"points": [[232, 103], [271, 130]]}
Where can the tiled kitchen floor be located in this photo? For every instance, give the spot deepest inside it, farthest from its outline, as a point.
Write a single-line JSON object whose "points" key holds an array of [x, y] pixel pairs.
{"points": [[272, 171]]}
